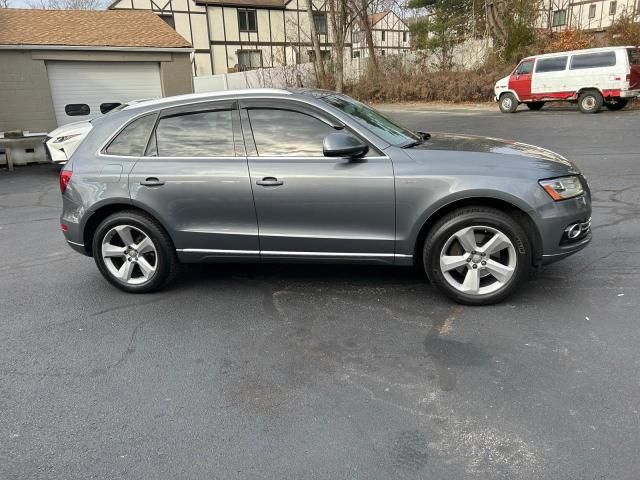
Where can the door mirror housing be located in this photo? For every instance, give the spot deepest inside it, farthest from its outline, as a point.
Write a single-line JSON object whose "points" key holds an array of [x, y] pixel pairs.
{"points": [[343, 145]]}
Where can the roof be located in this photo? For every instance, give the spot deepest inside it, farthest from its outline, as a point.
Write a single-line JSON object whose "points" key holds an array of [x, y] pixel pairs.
{"points": [[376, 17], [203, 96], [88, 28], [574, 52], [245, 3]]}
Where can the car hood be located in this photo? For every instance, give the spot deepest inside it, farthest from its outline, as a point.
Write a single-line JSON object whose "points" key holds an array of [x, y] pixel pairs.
{"points": [[71, 129], [472, 143]]}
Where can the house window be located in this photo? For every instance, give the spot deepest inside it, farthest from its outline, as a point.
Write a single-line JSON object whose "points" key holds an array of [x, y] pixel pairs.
{"points": [[324, 55], [559, 18], [592, 11], [356, 37], [249, 59], [613, 6], [355, 55], [247, 21], [382, 53], [382, 33], [320, 21], [404, 36]]}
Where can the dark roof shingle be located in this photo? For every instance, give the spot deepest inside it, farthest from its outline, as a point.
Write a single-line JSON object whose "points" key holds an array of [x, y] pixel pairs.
{"points": [[112, 28]]}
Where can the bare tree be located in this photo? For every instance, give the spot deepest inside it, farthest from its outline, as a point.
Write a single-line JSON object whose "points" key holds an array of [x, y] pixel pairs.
{"points": [[317, 57], [66, 4], [361, 9], [340, 24], [4, 4]]}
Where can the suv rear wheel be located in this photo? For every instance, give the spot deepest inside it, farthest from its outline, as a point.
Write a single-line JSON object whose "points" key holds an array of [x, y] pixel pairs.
{"points": [[477, 255], [134, 253], [590, 101], [508, 103]]}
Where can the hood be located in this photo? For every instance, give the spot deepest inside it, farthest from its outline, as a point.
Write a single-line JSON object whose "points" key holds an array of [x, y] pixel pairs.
{"points": [[478, 144], [71, 129]]}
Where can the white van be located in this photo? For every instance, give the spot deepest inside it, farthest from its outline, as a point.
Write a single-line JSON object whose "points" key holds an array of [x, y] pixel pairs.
{"points": [[592, 78]]}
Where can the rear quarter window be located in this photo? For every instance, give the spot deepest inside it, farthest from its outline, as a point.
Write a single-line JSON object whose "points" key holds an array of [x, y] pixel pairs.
{"points": [[634, 56], [555, 64], [593, 60], [132, 139]]}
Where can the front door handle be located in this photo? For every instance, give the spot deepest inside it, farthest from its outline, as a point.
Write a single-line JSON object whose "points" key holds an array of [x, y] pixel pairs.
{"points": [[269, 182], [151, 182]]}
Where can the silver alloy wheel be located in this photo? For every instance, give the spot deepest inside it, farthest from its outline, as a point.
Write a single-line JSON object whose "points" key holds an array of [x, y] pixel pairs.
{"points": [[589, 102], [507, 103], [129, 254], [478, 260]]}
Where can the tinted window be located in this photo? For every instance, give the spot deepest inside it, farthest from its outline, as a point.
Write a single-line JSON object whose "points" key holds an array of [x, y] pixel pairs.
{"points": [[107, 107], [372, 120], [133, 138], [556, 64], [525, 67], [593, 60], [634, 56], [201, 134], [287, 133], [77, 109]]}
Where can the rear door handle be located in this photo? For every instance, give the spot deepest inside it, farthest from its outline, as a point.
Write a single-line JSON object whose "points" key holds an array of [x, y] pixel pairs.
{"points": [[270, 182], [152, 182]]}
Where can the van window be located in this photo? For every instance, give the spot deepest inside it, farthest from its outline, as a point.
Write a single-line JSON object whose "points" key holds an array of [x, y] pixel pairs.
{"points": [[593, 60], [634, 56], [525, 67], [555, 64]]}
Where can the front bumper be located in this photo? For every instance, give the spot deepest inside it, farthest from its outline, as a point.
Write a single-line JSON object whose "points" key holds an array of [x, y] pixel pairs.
{"points": [[565, 227], [629, 93]]}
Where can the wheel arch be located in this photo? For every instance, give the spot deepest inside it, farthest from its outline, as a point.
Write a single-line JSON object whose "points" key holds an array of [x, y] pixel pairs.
{"points": [[511, 92], [106, 209], [520, 215]]}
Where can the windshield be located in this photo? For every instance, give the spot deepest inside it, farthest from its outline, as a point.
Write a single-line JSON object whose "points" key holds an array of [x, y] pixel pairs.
{"points": [[374, 121]]}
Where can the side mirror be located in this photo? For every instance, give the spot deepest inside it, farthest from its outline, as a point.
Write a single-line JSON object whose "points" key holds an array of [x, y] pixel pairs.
{"points": [[343, 145]]}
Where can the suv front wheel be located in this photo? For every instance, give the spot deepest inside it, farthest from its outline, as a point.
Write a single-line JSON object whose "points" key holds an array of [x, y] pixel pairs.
{"points": [[508, 103], [477, 255], [134, 253]]}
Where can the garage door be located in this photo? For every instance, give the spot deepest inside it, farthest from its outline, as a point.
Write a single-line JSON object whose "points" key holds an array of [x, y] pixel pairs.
{"points": [[76, 84]]}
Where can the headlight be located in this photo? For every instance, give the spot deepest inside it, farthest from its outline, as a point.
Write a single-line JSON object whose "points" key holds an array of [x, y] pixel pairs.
{"points": [[65, 138], [562, 188]]}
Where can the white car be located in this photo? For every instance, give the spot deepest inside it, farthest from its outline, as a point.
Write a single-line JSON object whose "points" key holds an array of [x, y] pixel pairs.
{"points": [[63, 141]]}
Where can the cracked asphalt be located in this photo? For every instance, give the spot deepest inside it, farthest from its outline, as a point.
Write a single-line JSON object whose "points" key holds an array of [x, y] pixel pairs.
{"points": [[332, 372]]}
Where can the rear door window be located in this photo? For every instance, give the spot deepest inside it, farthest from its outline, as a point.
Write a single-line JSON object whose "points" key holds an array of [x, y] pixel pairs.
{"points": [[593, 60], [196, 134], [634, 56], [133, 138], [554, 64]]}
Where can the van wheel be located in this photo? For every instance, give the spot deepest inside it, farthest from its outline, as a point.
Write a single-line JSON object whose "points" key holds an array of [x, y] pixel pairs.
{"points": [[508, 103], [134, 253], [590, 101], [535, 105], [477, 255], [616, 104]]}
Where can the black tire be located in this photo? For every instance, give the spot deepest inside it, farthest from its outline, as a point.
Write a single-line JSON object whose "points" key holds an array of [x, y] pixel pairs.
{"points": [[477, 216], [508, 103], [590, 101], [616, 104], [535, 105], [166, 259]]}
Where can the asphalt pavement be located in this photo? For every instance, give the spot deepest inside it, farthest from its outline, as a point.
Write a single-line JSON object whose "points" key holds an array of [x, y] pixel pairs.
{"points": [[330, 372]]}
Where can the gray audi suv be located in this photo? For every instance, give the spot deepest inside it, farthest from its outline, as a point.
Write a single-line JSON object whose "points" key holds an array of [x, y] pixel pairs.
{"points": [[314, 176]]}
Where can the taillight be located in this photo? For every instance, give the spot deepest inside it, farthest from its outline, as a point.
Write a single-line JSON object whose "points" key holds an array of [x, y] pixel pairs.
{"points": [[65, 178]]}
